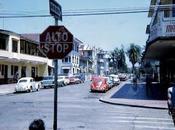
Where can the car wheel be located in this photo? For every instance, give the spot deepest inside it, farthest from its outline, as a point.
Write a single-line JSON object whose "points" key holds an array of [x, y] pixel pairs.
{"points": [[38, 88], [30, 89]]}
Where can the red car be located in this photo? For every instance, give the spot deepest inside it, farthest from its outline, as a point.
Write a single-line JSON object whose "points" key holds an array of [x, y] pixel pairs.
{"points": [[74, 80], [99, 84]]}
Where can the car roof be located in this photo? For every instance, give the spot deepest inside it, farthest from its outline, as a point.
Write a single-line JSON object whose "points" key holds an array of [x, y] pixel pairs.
{"points": [[25, 78], [114, 75]]}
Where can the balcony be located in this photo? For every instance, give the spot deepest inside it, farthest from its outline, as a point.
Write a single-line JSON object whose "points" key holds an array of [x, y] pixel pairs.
{"points": [[17, 57], [161, 41], [164, 28]]}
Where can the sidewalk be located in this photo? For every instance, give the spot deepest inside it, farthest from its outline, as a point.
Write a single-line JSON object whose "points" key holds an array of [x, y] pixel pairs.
{"points": [[7, 89], [127, 94]]}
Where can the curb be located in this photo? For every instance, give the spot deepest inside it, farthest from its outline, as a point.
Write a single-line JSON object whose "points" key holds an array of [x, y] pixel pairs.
{"points": [[130, 102], [131, 105]]}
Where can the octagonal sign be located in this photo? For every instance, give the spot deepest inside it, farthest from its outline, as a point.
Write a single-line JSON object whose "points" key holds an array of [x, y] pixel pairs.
{"points": [[56, 42]]}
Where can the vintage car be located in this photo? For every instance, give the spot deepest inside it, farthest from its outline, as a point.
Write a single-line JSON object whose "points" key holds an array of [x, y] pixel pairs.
{"points": [[115, 79], [48, 81], [64, 79], [27, 84], [99, 84]]}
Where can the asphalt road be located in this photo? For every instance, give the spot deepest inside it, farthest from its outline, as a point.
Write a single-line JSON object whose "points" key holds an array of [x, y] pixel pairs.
{"points": [[78, 109]]}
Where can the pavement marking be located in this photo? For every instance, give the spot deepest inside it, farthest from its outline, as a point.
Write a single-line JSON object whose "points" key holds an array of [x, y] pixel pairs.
{"points": [[143, 118], [155, 127], [155, 124]]}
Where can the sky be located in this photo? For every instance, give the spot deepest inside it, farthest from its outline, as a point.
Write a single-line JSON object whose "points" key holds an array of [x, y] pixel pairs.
{"points": [[105, 31]]}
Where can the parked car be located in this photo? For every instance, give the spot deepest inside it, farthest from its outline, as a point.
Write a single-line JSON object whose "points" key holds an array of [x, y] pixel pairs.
{"points": [[27, 84], [122, 77], [80, 77], [61, 81], [115, 79], [48, 81], [110, 81], [99, 84], [74, 80], [65, 79]]}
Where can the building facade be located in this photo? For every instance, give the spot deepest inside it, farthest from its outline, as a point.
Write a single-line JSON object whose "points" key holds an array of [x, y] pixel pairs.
{"points": [[88, 59], [102, 62], [20, 57], [160, 46], [70, 64]]}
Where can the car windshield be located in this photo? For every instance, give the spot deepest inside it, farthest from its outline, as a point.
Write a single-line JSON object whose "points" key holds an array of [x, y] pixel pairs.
{"points": [[22, 80]]}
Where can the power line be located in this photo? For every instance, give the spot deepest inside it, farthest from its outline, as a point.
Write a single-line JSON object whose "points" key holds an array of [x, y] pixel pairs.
{"points": [[76, 14]]}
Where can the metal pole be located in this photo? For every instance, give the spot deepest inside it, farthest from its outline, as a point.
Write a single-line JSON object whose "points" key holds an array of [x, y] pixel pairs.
{"points": [[55, 89]]}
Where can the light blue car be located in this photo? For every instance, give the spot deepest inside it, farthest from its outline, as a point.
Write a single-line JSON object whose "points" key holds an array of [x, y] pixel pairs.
{"points": [[48, 81]]}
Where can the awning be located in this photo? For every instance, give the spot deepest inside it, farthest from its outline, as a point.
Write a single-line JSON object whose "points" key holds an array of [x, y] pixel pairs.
{"points": [[161, 48]]}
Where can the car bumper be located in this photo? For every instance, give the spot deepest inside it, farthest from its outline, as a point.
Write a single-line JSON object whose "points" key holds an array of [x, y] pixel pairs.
{"points": [[20, 89]]}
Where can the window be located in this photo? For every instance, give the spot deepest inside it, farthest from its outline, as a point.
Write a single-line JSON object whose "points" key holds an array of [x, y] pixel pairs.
{"points": [[66, 59], [77, 48], [23, 71], [2, 69], [22, 46], [73, 70], [166, 12], [3, 44], [173, 13], [15, 69], [69, 59], [33, 71], [36, 71], [14, 45], [12, 70], [29, 48]]}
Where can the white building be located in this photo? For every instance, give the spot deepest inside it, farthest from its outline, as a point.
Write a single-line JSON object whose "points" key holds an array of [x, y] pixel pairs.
{"points": [[102, 62], [70, 64], [19, 57], [88, 58]]}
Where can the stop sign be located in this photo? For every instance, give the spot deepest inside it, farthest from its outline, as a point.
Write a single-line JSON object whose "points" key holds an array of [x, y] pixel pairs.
{"points": [[56, 42]]}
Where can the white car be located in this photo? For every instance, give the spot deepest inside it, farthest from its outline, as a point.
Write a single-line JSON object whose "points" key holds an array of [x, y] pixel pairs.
{"points": [[64, 79], [115, 79], [27, 84]]}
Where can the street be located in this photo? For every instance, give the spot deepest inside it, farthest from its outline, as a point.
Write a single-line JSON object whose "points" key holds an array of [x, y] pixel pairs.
{"points": [[78, 109]]}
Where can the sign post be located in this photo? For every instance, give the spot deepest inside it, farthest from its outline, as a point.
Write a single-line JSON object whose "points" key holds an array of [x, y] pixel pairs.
{"points": [[55, 10], [55, 89], [55, 43]]}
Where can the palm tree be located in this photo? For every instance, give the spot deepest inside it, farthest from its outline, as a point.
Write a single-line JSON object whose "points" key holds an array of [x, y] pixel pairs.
{"points": [[134, 54]]}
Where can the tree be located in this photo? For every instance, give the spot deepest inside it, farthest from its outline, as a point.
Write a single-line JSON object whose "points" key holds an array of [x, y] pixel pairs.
{"points": [[122, 61], [134, 54], [118, 60]]}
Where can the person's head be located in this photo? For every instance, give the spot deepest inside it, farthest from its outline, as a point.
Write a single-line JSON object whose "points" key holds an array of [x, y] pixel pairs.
{"points": [[37, 125]]}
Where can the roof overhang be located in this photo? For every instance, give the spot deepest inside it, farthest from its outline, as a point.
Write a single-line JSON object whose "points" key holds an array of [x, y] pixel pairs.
{"points": [[160, 48]]}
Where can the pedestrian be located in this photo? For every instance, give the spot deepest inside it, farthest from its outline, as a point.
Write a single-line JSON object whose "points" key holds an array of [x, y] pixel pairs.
{"points": [[37, 124]]}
